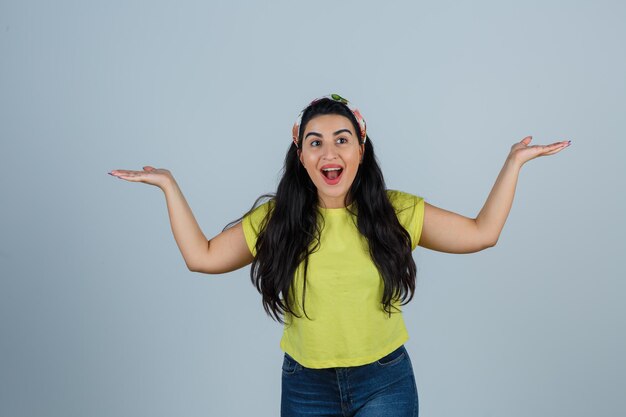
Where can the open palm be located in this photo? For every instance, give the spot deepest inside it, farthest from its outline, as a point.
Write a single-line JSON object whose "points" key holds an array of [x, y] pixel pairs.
{"points": [[522, 152], [158, 177]]}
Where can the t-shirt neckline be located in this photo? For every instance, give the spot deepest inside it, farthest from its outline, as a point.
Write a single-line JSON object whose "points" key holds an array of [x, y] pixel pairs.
{"points": [[335, 210]]}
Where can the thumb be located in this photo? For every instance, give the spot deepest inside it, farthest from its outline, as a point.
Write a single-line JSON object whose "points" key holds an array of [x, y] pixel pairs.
{"points": [[527, 140], [148, 168]]}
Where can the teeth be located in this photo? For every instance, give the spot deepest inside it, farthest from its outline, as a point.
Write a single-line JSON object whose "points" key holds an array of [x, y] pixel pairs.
{"points": [[331, 169]]}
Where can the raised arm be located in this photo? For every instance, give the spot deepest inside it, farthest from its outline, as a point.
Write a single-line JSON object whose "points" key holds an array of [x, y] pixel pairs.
{"points": [[445, 231], [224, 253]]}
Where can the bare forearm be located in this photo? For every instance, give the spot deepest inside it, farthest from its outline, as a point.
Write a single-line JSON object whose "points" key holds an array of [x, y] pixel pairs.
{"points": [[188, 235], [494, 213]]}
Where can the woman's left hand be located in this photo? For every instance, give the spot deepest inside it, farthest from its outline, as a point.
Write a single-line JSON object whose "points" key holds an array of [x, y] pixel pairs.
{"points": [[522, 153]]}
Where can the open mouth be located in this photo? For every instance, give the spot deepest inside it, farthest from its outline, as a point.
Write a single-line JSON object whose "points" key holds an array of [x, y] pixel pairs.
{"points": [[332, 174]]}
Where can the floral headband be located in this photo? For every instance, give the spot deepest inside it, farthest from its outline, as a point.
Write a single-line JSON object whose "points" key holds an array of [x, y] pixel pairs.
{"points": [[336, 97]]}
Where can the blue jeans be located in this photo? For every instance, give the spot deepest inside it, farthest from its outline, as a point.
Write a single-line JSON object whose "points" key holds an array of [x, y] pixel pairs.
{"points": [[384, 388]]}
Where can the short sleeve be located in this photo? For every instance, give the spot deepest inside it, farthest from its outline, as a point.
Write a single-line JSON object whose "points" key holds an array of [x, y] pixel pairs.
{"points": [[410, 211], [252, 223]]}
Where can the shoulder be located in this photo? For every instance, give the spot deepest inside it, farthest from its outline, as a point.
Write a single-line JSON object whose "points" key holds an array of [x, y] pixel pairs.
{"points": [[402, 201], [254, 222], [410, 211], [258, 214]]}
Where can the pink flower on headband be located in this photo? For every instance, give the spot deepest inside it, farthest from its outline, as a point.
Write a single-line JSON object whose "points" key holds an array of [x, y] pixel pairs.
{"points": [[361, 121], [336, 97]]}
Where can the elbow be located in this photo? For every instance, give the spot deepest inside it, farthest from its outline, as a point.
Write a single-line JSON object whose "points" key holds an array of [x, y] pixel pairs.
{"points": [[204, 269], [485, 239], [491, 243], [194, 263], [486, 242], [194, 266]]}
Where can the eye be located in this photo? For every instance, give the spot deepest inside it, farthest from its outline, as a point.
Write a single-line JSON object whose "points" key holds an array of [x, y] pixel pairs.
{"points": [[315, 143], [342, 140]]}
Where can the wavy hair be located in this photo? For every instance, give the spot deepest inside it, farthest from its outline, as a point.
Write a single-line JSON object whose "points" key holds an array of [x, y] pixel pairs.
{"points": [[291, 230]]}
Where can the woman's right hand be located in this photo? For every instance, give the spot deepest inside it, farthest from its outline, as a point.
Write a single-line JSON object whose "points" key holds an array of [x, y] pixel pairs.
{"points": [[159, 177], [226, 252]]}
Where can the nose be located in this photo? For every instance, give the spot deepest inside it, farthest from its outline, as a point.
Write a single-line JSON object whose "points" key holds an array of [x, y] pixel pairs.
{"points": [[330, 152]]}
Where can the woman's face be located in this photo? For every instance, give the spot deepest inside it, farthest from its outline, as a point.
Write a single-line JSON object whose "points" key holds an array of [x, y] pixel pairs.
{"points": [[331, 155]]}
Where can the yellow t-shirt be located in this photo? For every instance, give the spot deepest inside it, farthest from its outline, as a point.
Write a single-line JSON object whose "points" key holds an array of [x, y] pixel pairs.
{"points": [[343, 292]]}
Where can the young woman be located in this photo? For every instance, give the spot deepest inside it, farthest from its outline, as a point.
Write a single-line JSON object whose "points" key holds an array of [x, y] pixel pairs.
{"points": [[331, 256]]}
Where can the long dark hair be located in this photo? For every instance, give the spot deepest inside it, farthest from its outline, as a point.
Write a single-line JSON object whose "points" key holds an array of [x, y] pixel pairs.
{"points": [[291, 230]]}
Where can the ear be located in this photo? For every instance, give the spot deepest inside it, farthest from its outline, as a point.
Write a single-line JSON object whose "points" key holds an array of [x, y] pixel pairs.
{"points": [[361, 151]]}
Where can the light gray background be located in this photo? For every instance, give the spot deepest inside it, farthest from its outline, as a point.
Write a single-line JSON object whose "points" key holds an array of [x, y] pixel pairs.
{"points": [[98, 314]]}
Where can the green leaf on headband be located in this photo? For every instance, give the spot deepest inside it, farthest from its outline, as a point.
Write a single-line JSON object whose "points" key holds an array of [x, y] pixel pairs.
{"points": [[337, 97]]}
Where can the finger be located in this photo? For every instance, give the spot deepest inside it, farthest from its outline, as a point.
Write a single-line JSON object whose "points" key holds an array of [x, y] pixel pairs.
{"points": [[552, 152], [560, 145], [558, 148], [122, 172], [555, 144], [132, 176], [526, 140], [554, 148]]}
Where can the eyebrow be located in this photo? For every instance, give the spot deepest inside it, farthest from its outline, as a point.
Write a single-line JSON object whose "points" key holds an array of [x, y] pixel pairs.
{"points": [[319, 135]]}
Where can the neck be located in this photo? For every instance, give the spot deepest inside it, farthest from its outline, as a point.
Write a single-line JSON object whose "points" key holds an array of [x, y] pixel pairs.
{"points": [[334, 203]]}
